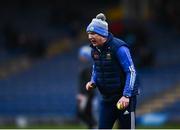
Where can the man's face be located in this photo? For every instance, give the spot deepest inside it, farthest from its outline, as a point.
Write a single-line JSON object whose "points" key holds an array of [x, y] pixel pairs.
{"points": [[96, 39]]}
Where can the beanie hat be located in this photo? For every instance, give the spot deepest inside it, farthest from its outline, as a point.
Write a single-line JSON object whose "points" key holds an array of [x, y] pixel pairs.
{"points": [[98, 25]]}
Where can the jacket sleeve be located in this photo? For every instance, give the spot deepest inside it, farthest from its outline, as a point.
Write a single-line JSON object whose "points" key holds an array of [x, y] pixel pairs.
{"points": [[124, 58], [93, 75]]}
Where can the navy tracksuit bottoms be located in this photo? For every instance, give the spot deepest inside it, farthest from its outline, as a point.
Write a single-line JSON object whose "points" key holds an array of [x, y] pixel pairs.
{"points": [[109, 114]]}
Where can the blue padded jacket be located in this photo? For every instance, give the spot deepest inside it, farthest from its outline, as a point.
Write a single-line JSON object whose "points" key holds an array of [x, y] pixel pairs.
{"points": [[113, 69]]}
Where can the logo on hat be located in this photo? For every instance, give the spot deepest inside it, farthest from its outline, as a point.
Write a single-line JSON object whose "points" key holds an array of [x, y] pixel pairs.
{"points": [[91, 28]]}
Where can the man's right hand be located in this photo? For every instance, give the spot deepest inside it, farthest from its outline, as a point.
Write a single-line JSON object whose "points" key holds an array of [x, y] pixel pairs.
{"points": [[90, 85]]}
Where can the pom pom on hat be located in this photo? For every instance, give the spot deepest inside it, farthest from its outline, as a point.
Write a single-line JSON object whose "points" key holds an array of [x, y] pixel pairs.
{"points": [[101, 16]]}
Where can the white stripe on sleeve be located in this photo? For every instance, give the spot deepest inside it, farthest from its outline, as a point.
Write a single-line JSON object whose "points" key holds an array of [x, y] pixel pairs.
{"points": [[132, 77]]}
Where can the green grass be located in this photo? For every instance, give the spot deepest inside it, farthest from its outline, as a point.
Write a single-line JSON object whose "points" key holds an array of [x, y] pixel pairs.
{"points": [[81, 126], [166, 126], [46, 126]]}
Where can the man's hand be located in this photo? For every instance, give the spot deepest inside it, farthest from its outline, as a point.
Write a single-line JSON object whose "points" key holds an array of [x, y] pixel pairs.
{"points": [[90, 85], [82, 101], [124, 101]]}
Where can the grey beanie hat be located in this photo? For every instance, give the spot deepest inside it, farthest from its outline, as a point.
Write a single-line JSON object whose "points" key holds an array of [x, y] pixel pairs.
{"points": [[98, 25]]}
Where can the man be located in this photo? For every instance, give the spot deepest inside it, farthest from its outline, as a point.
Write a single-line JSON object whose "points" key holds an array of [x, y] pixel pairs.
{"points": [[113, 74], [84, 98]]}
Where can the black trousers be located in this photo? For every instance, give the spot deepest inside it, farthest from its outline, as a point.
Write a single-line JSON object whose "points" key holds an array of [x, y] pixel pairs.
{"points": [[109, 114], [86, 115]]}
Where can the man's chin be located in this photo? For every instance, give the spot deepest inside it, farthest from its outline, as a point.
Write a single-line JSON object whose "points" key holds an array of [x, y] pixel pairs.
{"points": [[94, 44]]}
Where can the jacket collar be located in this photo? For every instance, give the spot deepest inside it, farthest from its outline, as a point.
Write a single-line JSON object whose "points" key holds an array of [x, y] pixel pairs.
{"points": [[109, 39]]}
